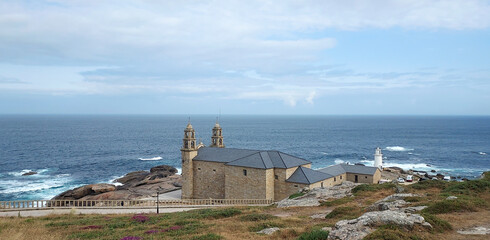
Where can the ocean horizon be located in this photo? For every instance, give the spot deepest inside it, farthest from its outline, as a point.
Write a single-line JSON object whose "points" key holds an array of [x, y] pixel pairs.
{"points": [[68, 151]]}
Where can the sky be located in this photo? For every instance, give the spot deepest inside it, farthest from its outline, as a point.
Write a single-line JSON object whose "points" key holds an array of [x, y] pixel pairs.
{"points": [[407, 57]]}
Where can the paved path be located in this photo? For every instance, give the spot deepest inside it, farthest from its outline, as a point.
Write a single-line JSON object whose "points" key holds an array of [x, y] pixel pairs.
{"points": [[40, 213]]}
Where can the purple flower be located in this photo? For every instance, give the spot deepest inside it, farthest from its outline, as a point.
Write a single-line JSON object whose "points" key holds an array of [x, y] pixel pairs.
{"points": [[175, 228], [151, 231], [140, 218], [131, 238]]}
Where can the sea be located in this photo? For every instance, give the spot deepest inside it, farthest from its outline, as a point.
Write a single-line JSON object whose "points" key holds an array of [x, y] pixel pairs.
{"points": [[68, 151]]}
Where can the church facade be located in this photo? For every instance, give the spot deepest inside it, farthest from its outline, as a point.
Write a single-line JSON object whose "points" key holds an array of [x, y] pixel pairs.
{"points": [[229, 173]]}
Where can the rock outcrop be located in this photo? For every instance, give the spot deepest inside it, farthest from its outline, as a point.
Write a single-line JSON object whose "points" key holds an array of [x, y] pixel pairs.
{"points": [[29, 173], [360, 227], [135, 185], [315, 195], [392, 202]]}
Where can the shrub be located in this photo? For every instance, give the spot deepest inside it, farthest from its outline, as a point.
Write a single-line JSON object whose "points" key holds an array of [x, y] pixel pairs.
{"points": [[390, 232], [295, 195], [468, 187], [343, 213], [372, 187], [438, 224], [429, 184], [448, 206], [336, 202], [209, 236], [257, 217], [316, 234]]}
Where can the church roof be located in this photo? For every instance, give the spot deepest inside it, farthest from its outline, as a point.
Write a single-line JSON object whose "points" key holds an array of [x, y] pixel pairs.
{"points": [[249, 158], [308, 176], [343, 168]]}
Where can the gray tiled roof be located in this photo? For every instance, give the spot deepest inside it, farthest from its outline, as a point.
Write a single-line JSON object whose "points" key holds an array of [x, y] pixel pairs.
{"points": [[249, 158], [307, 176], [343, 168], [359, 169]]}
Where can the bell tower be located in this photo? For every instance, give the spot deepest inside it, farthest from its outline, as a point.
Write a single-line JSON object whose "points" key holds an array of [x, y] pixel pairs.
{"points": [[217, 137], [189, 151]]}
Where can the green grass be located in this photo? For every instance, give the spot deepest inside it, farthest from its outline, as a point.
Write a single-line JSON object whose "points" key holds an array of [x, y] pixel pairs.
{"points": [[449, 206], [390, 232], [429, 184], [438, 224], [295, 195], [257, 217], [337, 202], [209, 213], [260, 226], [468, 187], [372, 187], [344, 213], [316, 234]]}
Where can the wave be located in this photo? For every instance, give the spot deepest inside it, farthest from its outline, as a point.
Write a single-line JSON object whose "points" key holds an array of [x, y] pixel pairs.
{"points": [[24, 171], [324, 153], [398, 149], [15, 186], [482, 153], [179, 171], [151, 159], [339, 161]]}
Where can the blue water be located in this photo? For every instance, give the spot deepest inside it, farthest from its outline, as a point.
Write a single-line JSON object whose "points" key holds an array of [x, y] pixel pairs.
{"points": [[70, 151]]}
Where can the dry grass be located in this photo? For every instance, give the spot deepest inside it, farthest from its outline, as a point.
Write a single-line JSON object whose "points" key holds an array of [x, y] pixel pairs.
{"points": [[242, 223]]}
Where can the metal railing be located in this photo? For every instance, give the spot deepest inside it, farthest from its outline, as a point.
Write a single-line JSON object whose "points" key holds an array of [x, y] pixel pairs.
{"points": [[43, 204]]}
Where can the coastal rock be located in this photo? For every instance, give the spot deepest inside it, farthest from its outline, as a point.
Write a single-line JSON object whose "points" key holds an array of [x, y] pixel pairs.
{"points": [[315, 195], [80, 192], [29, 173], [451, 198], [392, 202], [358, 228], [269, 231], [479, 230], [136, 185], [164, 168], [399, 189]]}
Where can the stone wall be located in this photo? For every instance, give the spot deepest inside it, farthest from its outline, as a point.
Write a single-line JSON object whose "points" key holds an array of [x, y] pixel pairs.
{"points": [[187, 173], [283, 189], [364, 178], [209, 180], [256, 184]]}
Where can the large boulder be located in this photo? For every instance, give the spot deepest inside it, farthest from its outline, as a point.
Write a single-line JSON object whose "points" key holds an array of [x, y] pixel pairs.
{"points": [[360, 227], [392, 202], [80, 192], [136, 185], [317, 195]]}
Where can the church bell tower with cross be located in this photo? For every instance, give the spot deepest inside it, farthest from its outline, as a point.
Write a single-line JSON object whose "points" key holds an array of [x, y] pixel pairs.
{"points": [[189, 151]]}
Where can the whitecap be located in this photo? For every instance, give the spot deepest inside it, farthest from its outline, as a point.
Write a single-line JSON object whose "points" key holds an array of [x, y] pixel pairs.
{"points": [[14, 186], [151, 159], [179, 171], [339, 161], [323, 153], [482, 153], [398, 149]]}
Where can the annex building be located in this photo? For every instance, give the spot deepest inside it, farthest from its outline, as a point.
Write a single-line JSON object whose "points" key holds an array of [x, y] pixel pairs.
{"points": [[229, 173]]}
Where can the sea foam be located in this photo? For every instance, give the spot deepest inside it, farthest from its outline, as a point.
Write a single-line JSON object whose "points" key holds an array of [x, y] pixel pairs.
{"points": [[398, 149], [151, 159]]}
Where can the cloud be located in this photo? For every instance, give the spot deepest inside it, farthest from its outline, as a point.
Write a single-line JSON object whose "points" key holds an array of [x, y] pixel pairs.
{"points": [[10, 80]]}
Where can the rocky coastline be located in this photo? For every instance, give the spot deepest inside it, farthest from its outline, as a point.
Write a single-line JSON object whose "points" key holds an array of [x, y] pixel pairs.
{"points": [[134, 185]]}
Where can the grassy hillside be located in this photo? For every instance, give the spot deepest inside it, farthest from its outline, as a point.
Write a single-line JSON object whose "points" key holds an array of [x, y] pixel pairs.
{"points": [[469, 209]]}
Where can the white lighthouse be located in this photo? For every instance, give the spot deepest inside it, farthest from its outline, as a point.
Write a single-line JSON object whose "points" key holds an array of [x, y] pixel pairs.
{"points": [[378, 158]]}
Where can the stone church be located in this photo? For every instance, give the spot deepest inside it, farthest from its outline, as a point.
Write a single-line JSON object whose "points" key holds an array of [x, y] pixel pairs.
{"points": [[229, 173]]}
